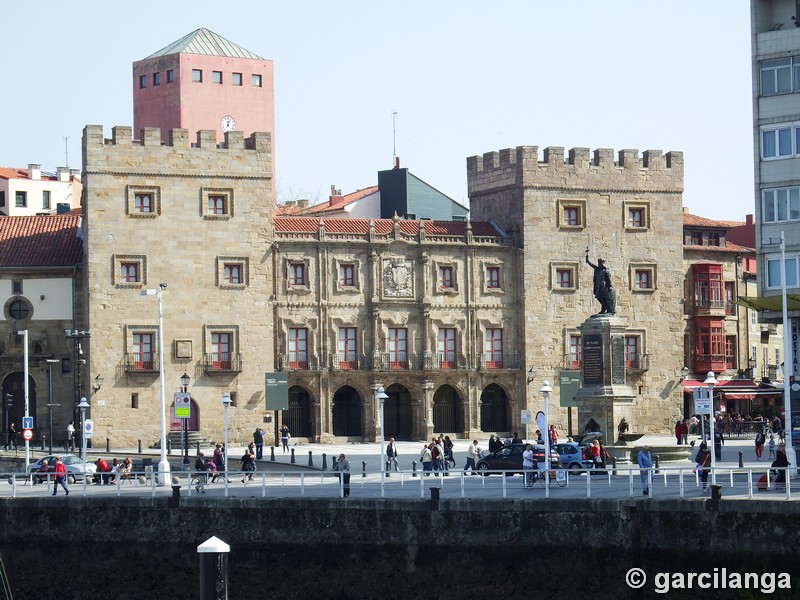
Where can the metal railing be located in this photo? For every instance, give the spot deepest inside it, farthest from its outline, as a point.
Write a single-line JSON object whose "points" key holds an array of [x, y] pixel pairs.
{"points": [[659, 482]]}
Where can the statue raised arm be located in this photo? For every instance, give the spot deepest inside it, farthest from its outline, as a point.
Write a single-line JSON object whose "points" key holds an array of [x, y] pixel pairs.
{"points": [[603, 289]]}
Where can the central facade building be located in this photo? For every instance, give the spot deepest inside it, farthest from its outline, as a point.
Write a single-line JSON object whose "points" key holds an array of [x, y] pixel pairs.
{"points": [[459, 322]]}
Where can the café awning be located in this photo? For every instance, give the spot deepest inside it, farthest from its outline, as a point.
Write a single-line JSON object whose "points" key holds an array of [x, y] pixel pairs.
{"points": [[772, 303]]}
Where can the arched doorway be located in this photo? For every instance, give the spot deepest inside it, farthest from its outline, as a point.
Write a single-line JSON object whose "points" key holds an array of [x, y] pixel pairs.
{"points": [[495, 413], [298, 417], [347, 412], [447, 410], [192, 423], [397, 412], [14, 384]]}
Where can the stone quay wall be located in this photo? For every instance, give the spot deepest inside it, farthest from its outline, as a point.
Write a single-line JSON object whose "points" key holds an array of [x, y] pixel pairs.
{"points": [[291, 548]]}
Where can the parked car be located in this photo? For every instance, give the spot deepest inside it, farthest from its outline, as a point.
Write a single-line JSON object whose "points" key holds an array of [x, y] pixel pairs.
{"points": [[571, 455], [509, 458], [72, 462]]}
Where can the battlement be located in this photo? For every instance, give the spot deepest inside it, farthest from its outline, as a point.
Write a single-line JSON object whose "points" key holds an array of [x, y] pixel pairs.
{"points": [[150, 153], [652, 171]]}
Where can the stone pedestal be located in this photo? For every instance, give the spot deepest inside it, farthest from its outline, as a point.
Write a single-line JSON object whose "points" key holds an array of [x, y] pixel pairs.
{"points": [[604, 395]]}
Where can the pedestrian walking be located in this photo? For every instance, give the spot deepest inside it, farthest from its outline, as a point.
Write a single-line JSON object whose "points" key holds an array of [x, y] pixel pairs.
{"points": [[11, 438], [760, 438], [472, 454], [702, 460], [70, 445], [645, 460], [201, 469], [285, 435], [258, 440], [426, 458], [527, 466], [772, 446], [719, 441], [391, 455], [60, 473], [343, 467]]}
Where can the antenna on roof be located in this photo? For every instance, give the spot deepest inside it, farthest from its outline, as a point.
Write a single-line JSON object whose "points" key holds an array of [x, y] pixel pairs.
{"points": [[66, 151], [394, 137]]}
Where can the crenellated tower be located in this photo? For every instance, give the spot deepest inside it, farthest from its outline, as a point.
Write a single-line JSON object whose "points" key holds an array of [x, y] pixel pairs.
{"points": [[625, 210], [196, 215]]}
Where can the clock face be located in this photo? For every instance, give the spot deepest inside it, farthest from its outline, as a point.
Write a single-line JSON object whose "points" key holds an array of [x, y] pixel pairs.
{"points": [[227, 123]]}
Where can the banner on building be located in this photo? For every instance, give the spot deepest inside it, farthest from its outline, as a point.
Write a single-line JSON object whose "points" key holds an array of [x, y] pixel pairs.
{"points": [[569, 382]]}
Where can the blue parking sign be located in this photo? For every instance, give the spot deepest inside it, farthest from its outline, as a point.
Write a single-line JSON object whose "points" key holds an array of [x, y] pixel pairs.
{"points": [[27, 422]]}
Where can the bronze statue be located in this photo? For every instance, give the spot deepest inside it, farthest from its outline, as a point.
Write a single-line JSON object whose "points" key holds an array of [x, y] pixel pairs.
{"points": [[603, 289]]}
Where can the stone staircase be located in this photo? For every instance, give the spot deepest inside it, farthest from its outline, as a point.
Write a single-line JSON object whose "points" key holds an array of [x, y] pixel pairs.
{"points": [[175, 441]]}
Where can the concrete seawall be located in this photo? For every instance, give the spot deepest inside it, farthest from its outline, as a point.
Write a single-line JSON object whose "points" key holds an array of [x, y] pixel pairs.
{"points": [[383, 548]]}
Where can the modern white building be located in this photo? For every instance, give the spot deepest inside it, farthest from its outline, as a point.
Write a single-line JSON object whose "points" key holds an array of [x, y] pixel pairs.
{"points": [[28, 192]]}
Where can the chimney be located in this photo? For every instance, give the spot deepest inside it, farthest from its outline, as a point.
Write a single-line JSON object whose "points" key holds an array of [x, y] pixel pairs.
{"points": [[396, 162], [34, 171], [748, 220], [62, 174]]}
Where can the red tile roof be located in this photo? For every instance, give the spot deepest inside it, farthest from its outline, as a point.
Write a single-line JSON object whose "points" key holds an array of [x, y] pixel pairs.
{"points": [[338, 202], [14, 173], [728, 247], [691, 220], [40, 241], [295, 224]]}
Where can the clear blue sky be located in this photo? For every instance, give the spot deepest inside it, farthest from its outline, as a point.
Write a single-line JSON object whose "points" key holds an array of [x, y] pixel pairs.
{"points": [[465, 77]]}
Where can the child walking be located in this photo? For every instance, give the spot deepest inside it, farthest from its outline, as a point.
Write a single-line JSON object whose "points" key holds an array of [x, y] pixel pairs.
{"points": [[772, 446]]}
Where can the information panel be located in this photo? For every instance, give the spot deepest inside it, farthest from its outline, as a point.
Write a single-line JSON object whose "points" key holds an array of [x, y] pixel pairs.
{"points": [[569, 382], [276, 389]]}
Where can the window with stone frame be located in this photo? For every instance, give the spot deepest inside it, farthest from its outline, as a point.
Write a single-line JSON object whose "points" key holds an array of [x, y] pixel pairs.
{"points": [[217, 203], [571, 214], [636, 215], [232, 271], [143, 202], [642, 277], [130, 270]]}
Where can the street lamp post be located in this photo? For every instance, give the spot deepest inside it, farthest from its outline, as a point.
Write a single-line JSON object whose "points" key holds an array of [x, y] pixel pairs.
{"points": [[24, 334], [545, 390], [163, 463], [226, 402], [50, 404], [77, 352], [185, 422], [83, 405], [711, 381], [380, 397]]}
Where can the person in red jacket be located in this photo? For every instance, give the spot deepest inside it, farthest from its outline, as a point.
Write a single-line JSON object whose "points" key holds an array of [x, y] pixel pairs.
{"points": [[61, 476]]}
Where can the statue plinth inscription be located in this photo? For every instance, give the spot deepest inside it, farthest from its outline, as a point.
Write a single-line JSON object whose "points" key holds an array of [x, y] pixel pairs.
{"points": [[593, 359]]}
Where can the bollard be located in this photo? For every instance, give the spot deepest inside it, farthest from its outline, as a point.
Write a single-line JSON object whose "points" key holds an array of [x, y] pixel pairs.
{"points": [[613, 465], [363, 468], [324, 462], [413, 468], [310, 460], [434, 498], [292, 459], [387, 469], [334, 463], [197, 450], [140, 446], [213, 569], [44, 442], [272, 453], [741, 459], [175, 500], [108, 445], [656, 464], [169, 446], [716, 496]]}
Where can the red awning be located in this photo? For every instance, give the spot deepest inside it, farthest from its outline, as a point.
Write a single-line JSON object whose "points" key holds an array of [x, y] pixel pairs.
{"points": [[753, 395], [739, 383]]}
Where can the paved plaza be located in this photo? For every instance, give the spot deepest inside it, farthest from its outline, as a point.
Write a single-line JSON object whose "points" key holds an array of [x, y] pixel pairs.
{"points": [[281, 477]]}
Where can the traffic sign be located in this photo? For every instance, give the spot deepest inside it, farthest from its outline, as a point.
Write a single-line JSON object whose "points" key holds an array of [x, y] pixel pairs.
{"points": [[702, 402], [525, 417], [182, 405], [27, 434], [27, 422], [88, 429]]}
